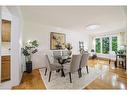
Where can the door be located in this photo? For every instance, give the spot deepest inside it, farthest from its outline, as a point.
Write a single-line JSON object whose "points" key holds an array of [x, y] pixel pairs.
{"points": [[5, 50]]}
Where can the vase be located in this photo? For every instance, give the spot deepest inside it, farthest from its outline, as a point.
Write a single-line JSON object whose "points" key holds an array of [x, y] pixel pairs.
{"points": [[29, 66], [69, 52]]}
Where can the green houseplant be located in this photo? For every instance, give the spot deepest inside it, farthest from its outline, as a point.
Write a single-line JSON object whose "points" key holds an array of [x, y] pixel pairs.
{"points": [[29, 49]]}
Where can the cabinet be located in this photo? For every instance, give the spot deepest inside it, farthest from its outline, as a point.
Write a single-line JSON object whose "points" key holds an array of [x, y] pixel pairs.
{"points": [[6, 29], [5, 70]]}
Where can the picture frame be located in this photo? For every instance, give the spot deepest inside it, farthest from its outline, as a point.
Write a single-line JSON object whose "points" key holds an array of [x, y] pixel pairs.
{"points": [[57, 41]]}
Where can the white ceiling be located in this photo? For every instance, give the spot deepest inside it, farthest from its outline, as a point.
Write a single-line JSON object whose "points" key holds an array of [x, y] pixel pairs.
{"points": [[77, 18]]}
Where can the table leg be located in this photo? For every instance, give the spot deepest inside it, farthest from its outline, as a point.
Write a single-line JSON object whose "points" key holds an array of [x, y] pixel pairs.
{"points": [[62, 73], [58, 70], [109, 61], [125, 63], [116, 62]]}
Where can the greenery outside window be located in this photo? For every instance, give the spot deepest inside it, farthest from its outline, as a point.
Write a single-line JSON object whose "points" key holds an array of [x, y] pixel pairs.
{"points": [[114, 43], [98, 45], [105, 45]]}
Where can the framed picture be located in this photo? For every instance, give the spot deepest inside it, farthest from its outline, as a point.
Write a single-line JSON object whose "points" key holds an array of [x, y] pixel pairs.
{"points": [[57, 41]]}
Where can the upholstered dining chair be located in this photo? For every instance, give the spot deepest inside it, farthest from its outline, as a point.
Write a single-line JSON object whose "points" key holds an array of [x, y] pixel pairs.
{"points": [[74, 65], [83, 63], [121, 59], [112, 56], [51, 66]]}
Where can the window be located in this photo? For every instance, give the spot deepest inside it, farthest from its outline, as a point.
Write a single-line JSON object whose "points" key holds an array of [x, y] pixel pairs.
{"points": [[114, 43], [105, 45], [98, 45]]}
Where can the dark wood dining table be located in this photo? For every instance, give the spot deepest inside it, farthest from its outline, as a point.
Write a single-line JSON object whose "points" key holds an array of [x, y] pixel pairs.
{"points": [[62, 60], [123, 56]]}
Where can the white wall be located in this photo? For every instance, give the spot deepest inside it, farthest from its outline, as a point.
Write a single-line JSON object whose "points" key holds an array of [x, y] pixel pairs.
{"points": [[0, 45], [37, 31], [15, 49], [126, 49]]}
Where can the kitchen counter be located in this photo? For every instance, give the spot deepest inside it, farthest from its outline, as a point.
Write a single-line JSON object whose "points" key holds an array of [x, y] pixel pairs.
{"points": [[5, 48], [5, 52]]}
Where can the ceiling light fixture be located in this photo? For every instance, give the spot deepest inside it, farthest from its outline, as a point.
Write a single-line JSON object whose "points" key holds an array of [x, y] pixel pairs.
{"points": [[93, 27]]}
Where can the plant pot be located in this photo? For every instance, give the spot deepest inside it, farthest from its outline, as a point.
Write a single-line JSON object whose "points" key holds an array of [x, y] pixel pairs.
{"points": [[29, 66]]}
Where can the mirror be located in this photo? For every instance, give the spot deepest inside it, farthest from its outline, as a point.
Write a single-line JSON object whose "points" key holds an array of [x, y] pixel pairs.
{"points": [[81, 45], [5, 50]]}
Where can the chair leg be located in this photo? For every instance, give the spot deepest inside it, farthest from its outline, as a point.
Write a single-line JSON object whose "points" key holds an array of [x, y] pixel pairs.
{"points": [[79, 73], [50, 75], [109, 61], [122, 64], [115, 64], [70, 77], [87, 69], [45, 71]]}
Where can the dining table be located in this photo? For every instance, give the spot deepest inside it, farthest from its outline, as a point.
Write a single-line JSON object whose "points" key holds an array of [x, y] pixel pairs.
{"points": [[63, 60], [123, 56]]}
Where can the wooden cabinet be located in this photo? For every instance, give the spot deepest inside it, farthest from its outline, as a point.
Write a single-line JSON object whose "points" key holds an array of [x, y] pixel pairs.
{"points": [[6, 30], [5, 68]]}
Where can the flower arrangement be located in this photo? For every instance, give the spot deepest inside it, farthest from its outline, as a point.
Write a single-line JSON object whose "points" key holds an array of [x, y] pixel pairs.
{"points": [[29, 49], [68, 46]]}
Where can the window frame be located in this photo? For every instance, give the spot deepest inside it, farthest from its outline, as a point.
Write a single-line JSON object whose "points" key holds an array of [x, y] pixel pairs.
{"points": [[110, 42], [100, 44], [108, 45]]}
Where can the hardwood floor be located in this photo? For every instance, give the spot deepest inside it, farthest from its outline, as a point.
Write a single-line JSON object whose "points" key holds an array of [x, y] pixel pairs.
{"points": [[115, 78], [31, 81]]}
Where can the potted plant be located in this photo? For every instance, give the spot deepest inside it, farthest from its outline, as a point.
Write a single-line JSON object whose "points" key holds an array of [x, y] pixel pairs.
{"points": [[121, 51], [93, 54], [28, 50], [68, 46]]}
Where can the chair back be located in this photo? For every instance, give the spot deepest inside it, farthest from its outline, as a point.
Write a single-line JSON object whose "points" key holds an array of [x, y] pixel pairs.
{"points": [[84, 60], [74, 66], [48, 62], [57, 54], [84, 52], [112, 55]]}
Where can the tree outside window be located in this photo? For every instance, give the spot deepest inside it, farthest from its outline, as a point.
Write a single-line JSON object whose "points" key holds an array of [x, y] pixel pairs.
{"points": [[105, 45], [98, 45], [114, 43]]}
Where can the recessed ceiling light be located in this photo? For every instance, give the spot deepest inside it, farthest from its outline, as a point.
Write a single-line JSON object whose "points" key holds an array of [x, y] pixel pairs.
{"points": [[92, 27]]}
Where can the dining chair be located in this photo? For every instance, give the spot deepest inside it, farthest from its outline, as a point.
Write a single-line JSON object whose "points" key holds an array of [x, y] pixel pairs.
{"points": [[112, 57], [51, 67], [83, 63], [56, 55], [121, 59], [74, 65]]}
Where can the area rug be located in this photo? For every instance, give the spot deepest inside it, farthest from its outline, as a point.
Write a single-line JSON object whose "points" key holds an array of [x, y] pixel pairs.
{"points": [[58, 82]]}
